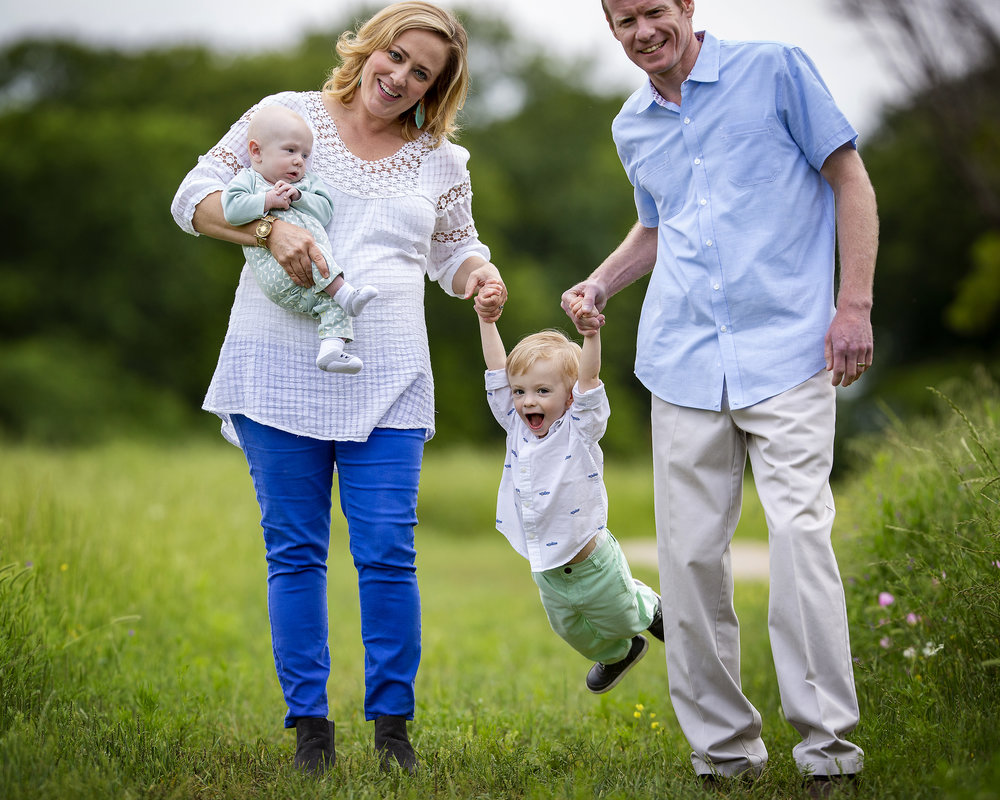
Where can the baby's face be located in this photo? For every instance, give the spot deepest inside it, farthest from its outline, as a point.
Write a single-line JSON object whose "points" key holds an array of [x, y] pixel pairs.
{"points": [[283, 155], [541, 395]]}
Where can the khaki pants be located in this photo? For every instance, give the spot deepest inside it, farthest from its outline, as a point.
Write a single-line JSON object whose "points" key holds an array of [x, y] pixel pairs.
{"points": [[699, 459]]}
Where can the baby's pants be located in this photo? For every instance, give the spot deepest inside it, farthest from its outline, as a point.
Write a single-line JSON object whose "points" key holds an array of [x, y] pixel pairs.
{"points": [[312, 300]]}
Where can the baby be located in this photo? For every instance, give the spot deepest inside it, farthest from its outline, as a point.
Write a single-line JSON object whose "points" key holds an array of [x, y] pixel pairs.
{"points": [[280, 142]]}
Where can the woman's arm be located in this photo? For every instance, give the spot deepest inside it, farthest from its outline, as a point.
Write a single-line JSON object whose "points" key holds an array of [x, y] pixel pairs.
{"points": [[292, 247]]}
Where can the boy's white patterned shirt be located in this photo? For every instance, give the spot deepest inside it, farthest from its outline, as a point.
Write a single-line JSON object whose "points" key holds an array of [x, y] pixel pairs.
{"points": [[552, 499]]}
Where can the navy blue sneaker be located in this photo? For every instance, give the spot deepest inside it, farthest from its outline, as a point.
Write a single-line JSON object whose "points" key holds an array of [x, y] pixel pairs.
{"points": [[656, 626], [605, 677]]}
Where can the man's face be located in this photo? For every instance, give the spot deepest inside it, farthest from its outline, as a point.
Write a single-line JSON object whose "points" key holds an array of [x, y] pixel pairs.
{"points": [[656, 35]]}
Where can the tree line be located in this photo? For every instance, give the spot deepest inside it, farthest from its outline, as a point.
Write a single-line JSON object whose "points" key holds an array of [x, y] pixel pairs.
{"points": [[111, 317]]}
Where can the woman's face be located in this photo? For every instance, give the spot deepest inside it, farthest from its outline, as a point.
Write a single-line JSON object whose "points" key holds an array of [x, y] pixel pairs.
{"points": [[394, 80]]}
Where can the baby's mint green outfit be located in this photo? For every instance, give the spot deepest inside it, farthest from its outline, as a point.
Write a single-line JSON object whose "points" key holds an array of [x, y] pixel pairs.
{"points": [[243, 202]]}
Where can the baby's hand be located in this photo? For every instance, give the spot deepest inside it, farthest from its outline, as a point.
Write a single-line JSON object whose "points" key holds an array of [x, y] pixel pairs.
{"points": [[275, 199], [287, 190]]}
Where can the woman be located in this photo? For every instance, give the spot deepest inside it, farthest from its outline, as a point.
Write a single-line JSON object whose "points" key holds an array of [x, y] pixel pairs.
{"points": [[402, 210]]}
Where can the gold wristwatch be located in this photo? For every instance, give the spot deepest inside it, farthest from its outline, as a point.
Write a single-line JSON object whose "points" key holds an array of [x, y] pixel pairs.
{"points": [[263, 230]]}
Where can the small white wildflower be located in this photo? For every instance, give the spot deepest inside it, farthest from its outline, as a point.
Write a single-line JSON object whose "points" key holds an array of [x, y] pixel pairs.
{"points": [[931, 649], [910, 652]]}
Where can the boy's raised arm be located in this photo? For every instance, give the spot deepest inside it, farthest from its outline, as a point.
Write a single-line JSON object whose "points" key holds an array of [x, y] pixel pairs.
{"points": [[590, 362], [493, 350]]}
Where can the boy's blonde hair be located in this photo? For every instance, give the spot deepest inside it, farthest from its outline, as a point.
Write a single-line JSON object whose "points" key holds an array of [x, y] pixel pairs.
{"points": [[553, 345], [444, 99]]}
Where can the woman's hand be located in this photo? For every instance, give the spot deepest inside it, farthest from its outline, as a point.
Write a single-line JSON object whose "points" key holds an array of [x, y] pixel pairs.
{"points": [[292, 247], [482, 280], [296, 250]]}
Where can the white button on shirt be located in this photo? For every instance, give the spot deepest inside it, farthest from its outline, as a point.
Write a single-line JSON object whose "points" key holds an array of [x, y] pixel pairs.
{"points": [[552, 499]]}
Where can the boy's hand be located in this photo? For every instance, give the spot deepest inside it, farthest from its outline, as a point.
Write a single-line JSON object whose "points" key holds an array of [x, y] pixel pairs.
{"points": [[588, 321], [489, 300], [583, 304]]}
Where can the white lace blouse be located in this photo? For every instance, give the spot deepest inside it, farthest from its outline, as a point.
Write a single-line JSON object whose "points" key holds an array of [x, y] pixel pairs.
{"points": [[395, 220]]}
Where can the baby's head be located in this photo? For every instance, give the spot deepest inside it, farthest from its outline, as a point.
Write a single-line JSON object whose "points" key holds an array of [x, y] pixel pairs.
{"points": [[542, 369], [279, 143]]}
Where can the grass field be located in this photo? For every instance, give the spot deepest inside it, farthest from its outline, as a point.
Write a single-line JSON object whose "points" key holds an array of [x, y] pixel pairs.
{"points": [[135, 657]]}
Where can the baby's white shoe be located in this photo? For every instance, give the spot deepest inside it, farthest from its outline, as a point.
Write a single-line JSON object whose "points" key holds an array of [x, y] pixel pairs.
{"points": [[332, 358], [352, 300]]}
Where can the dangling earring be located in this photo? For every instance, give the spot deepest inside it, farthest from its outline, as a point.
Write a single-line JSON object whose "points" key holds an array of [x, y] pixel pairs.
{"points": [[419, 117], [359, 80]]}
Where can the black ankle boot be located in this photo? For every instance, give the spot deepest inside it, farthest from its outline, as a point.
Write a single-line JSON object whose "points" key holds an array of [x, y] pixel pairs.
{"points": [[391, 742], [314, 746]]}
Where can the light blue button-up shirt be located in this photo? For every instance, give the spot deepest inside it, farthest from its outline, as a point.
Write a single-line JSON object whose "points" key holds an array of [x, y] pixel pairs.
{"points": [[741, 295]]}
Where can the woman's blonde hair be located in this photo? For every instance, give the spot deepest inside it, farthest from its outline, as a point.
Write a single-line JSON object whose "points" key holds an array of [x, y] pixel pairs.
{"points": [[444, 99], [552, 345]]}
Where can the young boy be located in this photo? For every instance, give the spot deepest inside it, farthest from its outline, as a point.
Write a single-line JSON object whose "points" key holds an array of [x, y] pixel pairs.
{"points": [[280, 143], [552, 504]]}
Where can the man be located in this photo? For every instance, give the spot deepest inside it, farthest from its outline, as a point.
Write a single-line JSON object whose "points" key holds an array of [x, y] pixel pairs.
{"points": [[744, 172]]}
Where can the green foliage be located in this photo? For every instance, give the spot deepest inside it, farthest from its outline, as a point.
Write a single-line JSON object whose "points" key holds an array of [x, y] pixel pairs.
{"points": [[106, 281], [925, 595], [977, 303], [140, 309]]}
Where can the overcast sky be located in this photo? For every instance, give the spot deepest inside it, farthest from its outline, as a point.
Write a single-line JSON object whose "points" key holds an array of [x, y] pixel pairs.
{"points": [[844, 55]]}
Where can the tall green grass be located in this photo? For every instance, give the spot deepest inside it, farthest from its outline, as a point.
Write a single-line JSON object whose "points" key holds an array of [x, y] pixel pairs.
{"points": [[135, 657], [924, 567]]}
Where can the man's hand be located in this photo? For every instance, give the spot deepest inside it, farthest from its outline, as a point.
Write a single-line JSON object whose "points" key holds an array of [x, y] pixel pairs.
{"points": [[583, 304], [849, 345]]}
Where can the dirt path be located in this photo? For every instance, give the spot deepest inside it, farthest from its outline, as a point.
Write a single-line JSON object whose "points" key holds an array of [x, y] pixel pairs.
{"points": [[749, 558]]}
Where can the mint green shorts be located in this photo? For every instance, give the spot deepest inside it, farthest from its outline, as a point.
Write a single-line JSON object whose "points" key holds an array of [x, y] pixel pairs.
{"points": [[596, 605]]}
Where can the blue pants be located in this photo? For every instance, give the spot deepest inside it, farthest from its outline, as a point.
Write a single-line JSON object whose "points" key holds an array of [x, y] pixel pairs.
{"points": [[293, 479]]}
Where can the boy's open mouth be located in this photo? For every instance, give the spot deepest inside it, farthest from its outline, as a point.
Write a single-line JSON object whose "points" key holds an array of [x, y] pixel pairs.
{"points": [[534, 420]]}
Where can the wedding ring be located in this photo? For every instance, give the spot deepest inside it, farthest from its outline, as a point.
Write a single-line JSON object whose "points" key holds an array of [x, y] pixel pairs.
{"points": [[860, 364]]}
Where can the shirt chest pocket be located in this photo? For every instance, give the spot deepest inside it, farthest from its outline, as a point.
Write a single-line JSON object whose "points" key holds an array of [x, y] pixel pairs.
{"points": [[751, 152], [657, 179]]}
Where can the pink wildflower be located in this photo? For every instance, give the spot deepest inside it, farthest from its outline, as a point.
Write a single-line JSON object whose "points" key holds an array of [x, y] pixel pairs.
{"points": [[885, 599]]}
